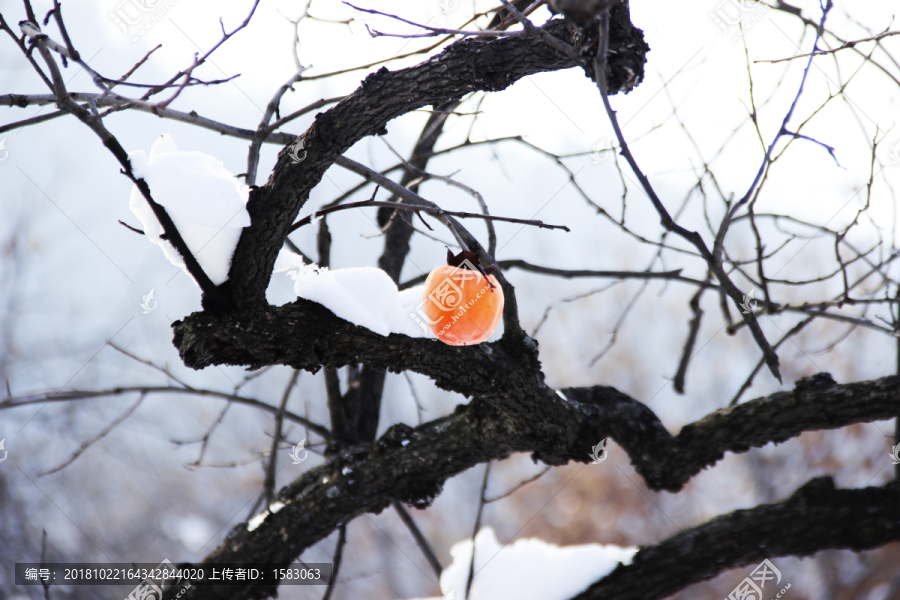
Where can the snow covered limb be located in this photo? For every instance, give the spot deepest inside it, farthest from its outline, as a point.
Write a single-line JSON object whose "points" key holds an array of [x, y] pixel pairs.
{"points": [[212, 297], [465, 66]]}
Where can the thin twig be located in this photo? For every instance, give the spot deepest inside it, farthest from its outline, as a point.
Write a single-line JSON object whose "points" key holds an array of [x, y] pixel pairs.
{"points": [[336, 561], [431, 209], [666, 219], [423, 544], [66, 396], [103, 433], [272, 466], [844, 46], [519, 486], [481, 502]]}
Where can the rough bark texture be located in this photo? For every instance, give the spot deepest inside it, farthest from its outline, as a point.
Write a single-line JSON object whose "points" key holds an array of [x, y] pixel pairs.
{"points": [[410, 465], [815, 517], [556, 429], [514, 411], [466, 66], [511, 408]]}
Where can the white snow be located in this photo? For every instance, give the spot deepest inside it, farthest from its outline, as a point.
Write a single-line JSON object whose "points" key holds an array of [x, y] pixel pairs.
{"points": [[258, 520], [527, 569], [207, 203], [365, 296]]}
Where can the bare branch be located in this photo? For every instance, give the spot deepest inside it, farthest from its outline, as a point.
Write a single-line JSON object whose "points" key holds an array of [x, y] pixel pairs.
{"points": [[103, 433], [67, 396], [423, 544], [844, 46]]}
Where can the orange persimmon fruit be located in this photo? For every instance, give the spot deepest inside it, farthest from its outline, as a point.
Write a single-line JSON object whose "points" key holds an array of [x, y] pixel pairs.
{"points": [[462, 306]]}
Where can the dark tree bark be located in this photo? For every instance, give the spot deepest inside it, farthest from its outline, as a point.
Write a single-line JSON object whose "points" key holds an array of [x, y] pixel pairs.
{"points": [[466, 66], [817, 516], [511, 408]]}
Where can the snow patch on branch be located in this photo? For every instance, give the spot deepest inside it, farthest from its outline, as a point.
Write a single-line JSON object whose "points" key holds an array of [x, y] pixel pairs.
{"points": [[206, 202], [365, 296], [528, 569]]}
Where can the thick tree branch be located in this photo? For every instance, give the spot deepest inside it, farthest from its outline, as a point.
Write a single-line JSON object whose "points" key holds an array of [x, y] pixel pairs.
{"points": [[816, 517], [465, 66], [411, 465], [560, 428]]}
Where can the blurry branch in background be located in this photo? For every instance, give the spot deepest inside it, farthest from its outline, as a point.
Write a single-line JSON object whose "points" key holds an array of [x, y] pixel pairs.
{"points": [[87, 444], [423, 206], [688, 352], [623, 315], [272, 108], [45, 584], [272, 467], [148, 363], [417, 534], [476, 526], [72, 395], [749, 381], [517, 487], [204, 439], [336, 561]]}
